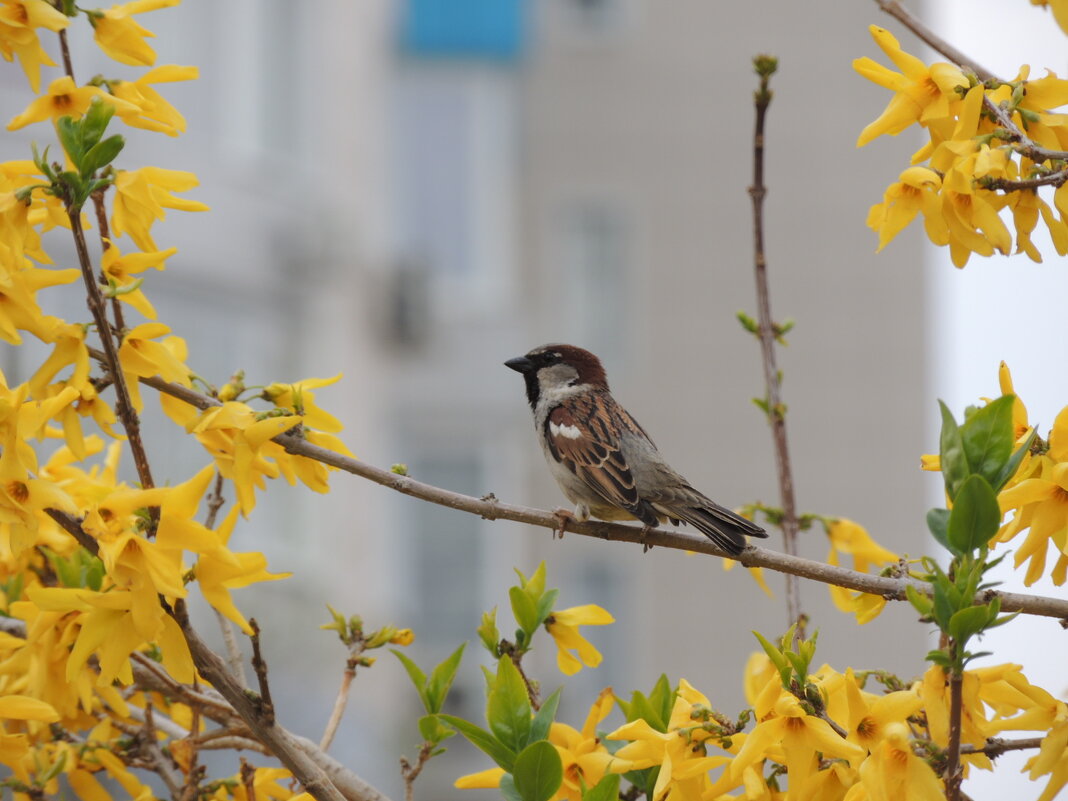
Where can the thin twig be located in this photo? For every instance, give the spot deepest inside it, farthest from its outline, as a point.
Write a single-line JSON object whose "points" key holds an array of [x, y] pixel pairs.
{"points": [[64, 49], [1006, 185], [933, 40], [288, 749], [150, 745], [248, 778], [1022, 143], [259, 664], [123, 405], [105, 245], [995, 746], [340, 702], [772, 378], [410, 772]]}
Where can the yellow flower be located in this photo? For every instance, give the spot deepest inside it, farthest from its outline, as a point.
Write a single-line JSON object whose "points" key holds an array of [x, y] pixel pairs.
{"points": [[974, 224], [153, 113], [870, 716], [18, 19], [120, 37], [894, 772], [483, 780], [121, 270], [141, 197], [798, 736], [63, 98], [141, 357], [299, 398], [682, 762], [851, 538], [585, 759], [563, 626], [916, 190], [1051, 760], [921, 94]]}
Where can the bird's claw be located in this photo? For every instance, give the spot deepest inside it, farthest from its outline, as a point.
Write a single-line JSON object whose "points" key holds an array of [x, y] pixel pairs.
{"points": [[563, 516], [646, 545]]}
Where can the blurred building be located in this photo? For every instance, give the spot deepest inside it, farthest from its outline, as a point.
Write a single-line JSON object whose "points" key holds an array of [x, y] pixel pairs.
{"points": [[414, 191]]}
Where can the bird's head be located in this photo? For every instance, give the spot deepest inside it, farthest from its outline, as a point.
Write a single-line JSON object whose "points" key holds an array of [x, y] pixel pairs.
{"points": [[550, 369]]}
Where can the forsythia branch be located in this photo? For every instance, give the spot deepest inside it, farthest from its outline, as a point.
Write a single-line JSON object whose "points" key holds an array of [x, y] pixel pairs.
{"points": [[753, 556]]}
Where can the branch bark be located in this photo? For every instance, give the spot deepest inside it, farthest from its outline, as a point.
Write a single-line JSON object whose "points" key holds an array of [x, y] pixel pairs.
{"points": [[775, 410]]}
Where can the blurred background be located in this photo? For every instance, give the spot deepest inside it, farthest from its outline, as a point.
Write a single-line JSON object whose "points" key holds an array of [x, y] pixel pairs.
{"points": [[413, 191]]}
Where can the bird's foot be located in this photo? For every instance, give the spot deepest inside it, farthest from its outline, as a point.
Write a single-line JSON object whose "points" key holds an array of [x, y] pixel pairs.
{"points": [[563, 517], [646, 545]]}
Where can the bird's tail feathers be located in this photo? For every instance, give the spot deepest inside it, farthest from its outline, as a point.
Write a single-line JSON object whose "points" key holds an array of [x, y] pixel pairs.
{"points": [[720, 525]]}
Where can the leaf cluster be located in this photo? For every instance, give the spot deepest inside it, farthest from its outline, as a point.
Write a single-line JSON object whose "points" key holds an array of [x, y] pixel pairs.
{"points": [[87, 149], [977, 459]]}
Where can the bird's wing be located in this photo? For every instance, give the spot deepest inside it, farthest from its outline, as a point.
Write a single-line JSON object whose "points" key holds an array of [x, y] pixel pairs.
{"points": [[584, 436]]}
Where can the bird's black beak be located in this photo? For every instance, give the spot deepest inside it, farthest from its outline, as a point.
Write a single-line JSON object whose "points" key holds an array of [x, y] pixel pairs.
{"points": [[521, 364]]}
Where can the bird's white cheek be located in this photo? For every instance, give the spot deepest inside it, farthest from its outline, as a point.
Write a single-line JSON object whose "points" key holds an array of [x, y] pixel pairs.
{"points": [[565, 431]]}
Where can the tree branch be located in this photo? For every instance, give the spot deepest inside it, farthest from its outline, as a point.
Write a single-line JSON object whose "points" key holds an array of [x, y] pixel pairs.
{"points": [[775, 410]]}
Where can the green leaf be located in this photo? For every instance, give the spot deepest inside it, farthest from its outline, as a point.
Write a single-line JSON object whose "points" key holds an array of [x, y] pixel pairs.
{"points": [[482, 740], [545, 605], [433, 730], [102, 154], [966, 623], [939, 657], [95, 121], [936, 522], [488, 632], [70, 136], [607, 789], [1013, 463], [920, 602], [524, 608], [987, 435], [975, 516], [508, 710], [416, 675], [508, 789], [776, 657], [639, 708], [941, 607], [437, 686], [538, 771], [662, 698], [951, 453], [543, 718]]}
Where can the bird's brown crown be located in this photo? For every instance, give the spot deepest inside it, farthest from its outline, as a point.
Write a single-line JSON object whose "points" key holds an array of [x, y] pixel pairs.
{"points": [[585, 363]]}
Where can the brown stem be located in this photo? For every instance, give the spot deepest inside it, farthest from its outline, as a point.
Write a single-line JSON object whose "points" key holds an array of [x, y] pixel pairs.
{"points": [[410, 772], [281, 743], [259, 664], [995, 746], [532, 689], [64, 49], [105, 244], [248, 778], [772, 379], [1023, 144], [933, 40], [339, 704], [123, 405], [953, 774], [1005, 185]]}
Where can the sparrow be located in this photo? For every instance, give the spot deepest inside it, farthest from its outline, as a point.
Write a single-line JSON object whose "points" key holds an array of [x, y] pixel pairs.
{"points": [[603, 460]]}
